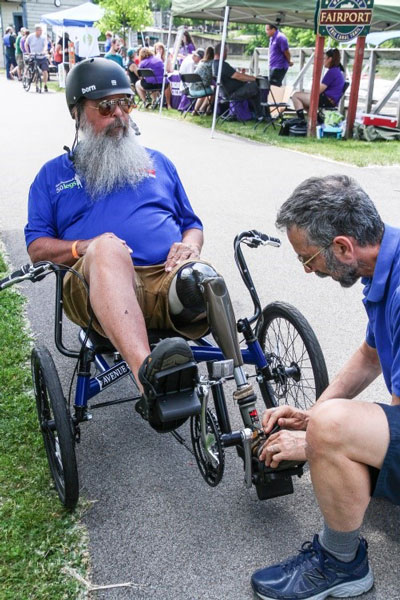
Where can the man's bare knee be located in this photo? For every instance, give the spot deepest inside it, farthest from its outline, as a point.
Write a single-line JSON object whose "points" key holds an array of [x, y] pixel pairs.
{"points": [[327, 426], [108, 253]]}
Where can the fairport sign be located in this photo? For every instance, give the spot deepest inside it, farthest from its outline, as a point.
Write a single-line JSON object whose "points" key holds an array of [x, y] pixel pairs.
{"points": [[344, 20]]}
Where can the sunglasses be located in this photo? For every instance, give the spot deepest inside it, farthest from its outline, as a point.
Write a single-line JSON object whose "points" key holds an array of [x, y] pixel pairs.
{"points": [[107, 107]]}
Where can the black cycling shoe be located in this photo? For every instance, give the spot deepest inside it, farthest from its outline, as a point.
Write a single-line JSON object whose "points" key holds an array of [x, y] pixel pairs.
{"points": [[167, 373], [169, 353]]}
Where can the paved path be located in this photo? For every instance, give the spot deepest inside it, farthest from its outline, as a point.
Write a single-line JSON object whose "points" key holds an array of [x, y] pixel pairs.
{"points": [[152, 519]]}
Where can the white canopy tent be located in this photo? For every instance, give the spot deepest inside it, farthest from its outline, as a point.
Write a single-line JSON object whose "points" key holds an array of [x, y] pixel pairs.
{"points": [[84, 15], [79, 22]]}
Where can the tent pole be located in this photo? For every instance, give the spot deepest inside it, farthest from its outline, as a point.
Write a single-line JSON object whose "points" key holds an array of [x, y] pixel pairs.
{"points": [[63, 50], [221, 60], [355, 86], [171, 18], [314, 99]]}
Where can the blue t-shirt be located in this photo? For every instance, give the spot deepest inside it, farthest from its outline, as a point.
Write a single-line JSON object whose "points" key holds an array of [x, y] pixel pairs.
{"points": [[149, 216], [382, 303]]}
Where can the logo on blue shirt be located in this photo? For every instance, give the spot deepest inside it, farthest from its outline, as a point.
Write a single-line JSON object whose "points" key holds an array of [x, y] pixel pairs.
{"points": [[68, 185]]}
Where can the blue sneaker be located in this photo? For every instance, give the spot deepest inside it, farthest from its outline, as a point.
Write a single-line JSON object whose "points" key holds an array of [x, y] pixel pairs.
{"points": [[314, 575]]}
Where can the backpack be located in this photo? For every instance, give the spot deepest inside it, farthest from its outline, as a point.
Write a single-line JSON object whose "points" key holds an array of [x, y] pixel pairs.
{"points": [[288, 123], [372, 133]]}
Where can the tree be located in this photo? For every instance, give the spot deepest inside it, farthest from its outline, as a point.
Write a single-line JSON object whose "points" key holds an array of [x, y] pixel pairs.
{"points": [[122, 15]]}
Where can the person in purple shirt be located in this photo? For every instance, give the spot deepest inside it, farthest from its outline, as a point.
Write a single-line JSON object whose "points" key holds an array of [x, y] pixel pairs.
{"points": [[331, 87], [352, 444], [152, 85], [279, 54], [187, 46]]}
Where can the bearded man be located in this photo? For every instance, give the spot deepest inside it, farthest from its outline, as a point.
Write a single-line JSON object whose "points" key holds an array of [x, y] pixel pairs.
{"points": [[119, 214]]}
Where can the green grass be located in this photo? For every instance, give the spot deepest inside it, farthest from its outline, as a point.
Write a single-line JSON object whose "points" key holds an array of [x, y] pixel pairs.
{"points": [[37, 536], [53, 85], [355, 152]]}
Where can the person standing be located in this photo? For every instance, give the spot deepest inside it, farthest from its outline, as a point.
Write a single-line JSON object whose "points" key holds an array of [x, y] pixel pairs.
{"points": [[18, 54], [279, 54], [36, 44], [9, 43], [113, 54], [107, 44], [62, 48]]}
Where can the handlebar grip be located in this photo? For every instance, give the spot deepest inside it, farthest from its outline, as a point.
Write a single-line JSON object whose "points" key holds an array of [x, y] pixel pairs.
{"points": [[267, 238], [7, 281]]}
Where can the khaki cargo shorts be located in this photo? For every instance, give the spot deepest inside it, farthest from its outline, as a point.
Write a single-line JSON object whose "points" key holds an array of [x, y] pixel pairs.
{"points": [[152, 286]]}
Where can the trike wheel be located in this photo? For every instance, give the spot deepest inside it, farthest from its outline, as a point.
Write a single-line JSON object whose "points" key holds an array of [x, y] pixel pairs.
{"points": [[294, 355], [56, 426]]}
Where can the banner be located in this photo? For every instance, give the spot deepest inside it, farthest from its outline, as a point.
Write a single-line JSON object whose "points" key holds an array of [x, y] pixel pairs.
{"points": [[343, 20]]}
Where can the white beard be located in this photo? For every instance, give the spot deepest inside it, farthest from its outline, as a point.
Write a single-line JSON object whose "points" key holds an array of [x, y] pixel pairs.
{"points": [[106, 161]]}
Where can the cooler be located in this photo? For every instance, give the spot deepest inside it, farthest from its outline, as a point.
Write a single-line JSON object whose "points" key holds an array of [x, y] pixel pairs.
{"points": [[379, 120]]}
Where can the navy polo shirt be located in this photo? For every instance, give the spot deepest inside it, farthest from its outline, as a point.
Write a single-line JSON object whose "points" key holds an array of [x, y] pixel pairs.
{"points": [[382, 303]]}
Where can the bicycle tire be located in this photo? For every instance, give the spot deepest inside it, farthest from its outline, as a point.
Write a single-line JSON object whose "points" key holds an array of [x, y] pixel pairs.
{"points": [[288, 341], [56, 426], [27, 80], [38, 80]]}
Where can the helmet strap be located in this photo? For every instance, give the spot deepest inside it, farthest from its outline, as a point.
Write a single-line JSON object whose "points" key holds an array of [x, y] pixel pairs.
{"points": [[71, 150]]}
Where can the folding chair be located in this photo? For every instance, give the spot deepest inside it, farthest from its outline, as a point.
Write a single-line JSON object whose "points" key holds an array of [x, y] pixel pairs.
{"points": [[277, 104], [321, 111], [143, 73], [187, 80], [233, 103]]}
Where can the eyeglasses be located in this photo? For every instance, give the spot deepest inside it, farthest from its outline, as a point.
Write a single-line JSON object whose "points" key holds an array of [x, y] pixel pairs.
{"points": [[107, 107], [306, 263]]}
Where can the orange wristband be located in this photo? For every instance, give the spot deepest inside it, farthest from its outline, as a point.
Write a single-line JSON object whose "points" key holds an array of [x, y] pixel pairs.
{"points": [[74, 250]]}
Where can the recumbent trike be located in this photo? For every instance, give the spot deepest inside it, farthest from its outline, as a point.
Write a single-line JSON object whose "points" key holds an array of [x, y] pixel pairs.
{"points": [[278, 341]]}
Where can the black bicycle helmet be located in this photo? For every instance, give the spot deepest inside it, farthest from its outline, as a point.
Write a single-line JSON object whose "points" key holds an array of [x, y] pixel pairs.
{"points": [[95, 78]]}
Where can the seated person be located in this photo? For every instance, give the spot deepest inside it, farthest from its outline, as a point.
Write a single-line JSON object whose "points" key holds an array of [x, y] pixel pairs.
{"points": [[239, 86], [131, 67], [159, 50], [204, 69], [330, 89], [147, 60], [190, 63], [119, 214]]}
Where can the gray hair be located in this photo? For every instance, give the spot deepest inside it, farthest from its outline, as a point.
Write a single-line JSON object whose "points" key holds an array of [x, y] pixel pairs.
{"points": [[324, 207]]}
